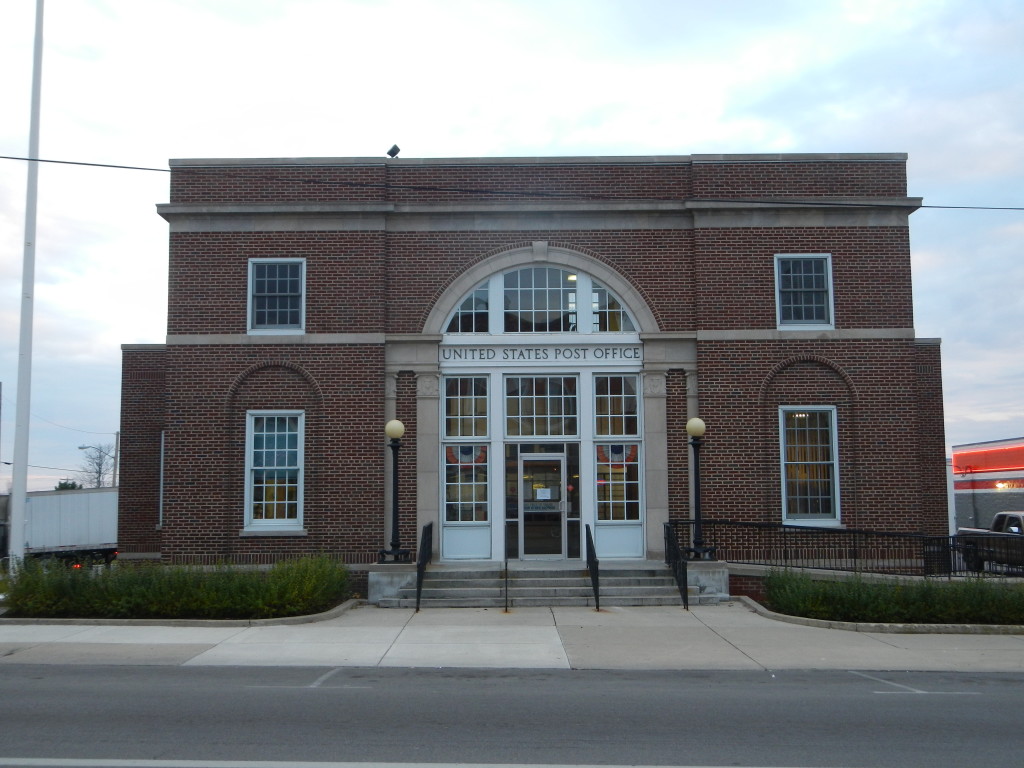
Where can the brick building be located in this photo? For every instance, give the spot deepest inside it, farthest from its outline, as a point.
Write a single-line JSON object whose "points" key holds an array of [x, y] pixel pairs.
{"points": [[543, 328]]}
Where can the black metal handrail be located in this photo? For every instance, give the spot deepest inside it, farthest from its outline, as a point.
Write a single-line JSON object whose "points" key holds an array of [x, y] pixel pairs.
{"points": [[424, 555], [674, 559], [849, 549], [505, 576], [594, 567]]}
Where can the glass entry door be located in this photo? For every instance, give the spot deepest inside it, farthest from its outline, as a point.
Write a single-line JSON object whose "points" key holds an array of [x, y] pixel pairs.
{"points": [[542, 506]]}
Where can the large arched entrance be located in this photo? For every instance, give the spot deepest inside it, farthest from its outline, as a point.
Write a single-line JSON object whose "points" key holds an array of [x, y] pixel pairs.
{"points": [[540, 417]]}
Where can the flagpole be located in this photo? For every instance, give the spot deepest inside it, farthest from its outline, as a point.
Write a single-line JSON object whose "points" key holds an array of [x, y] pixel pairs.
{"points": [[19, 470]]}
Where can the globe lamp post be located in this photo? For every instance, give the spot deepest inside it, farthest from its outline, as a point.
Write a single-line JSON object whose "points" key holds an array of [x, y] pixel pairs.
{"points": [[394, 430]]}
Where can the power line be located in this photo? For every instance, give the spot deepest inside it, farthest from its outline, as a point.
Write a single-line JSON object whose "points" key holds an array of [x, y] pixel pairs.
{"points": [[91, 165], [37, 466], [523, 193], [62, 426]]}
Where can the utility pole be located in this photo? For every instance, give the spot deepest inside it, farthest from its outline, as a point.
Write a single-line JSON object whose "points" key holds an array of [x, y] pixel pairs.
{"points": [[19, 470]]}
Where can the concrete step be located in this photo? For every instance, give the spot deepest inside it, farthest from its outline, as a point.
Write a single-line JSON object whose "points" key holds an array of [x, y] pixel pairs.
{"points": [[527, 602], [485, 587]]}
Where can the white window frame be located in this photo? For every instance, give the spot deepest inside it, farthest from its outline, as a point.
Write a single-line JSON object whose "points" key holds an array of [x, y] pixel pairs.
{"points": [[302, 302], [835, 521], [790, 325], [295, 525]]}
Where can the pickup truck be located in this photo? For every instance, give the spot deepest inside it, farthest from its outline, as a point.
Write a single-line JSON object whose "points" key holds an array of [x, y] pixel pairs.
{"points": [[1001, 543]]}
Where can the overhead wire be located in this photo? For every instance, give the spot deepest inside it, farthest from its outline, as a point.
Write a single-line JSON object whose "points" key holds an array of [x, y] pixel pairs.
{"points": [[521, 193]]}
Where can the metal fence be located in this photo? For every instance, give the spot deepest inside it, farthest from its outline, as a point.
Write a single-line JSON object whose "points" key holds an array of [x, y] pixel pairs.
{"points": [[844, 549]]}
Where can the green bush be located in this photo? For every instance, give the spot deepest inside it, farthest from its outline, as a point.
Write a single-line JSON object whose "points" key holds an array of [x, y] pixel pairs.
{"points": [[289, 588], [970, 601]]}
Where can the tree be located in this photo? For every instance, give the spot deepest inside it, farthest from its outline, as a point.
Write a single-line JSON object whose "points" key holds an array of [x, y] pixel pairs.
{"points": [[97, 465], [67, 485]]}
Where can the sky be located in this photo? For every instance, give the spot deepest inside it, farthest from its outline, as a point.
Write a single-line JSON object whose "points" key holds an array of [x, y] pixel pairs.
{"points": [[135, 83]]}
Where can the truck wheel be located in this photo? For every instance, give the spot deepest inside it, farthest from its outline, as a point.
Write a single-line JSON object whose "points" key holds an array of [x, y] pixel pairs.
{"points": [[973, 560]]}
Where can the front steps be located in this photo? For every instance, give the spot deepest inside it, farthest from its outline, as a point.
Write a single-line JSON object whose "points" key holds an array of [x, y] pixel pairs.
{"points": [[644, 583]]}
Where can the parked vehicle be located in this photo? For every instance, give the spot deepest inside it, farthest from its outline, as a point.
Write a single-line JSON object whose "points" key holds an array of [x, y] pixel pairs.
{"points": [[78, 526], [1002, 542]]}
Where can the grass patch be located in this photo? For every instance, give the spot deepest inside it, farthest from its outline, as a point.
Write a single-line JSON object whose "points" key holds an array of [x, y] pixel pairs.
{"points": [[926, 601], [48, 589]]}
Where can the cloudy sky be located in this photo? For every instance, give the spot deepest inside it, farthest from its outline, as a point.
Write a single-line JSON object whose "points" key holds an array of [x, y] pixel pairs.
{"points": [[136, 83]]}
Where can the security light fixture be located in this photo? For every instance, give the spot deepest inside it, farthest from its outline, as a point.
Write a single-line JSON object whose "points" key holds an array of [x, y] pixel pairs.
{"points": [[393, 152]]}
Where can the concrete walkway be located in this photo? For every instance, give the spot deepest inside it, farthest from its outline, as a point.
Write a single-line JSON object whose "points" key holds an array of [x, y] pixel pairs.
{"points": [[730, 636]]}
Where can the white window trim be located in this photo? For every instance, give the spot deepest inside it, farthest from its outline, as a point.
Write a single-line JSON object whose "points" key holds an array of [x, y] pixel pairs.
{"points": [[275, 526], [791, 326], [835, 522], [302, 304]]}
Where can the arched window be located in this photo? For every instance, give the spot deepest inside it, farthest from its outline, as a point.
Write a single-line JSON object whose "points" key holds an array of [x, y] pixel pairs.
{"points": [[540, 300]]}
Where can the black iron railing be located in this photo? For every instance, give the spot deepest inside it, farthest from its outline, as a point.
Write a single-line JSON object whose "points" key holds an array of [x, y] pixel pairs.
{"points": [[594, 567], [504, 575], [845, 549], [674, 559], [424, 555]]}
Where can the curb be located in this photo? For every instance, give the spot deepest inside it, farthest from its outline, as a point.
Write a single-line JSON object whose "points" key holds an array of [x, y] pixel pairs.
{"points": [[333, 613], [903, 629]]}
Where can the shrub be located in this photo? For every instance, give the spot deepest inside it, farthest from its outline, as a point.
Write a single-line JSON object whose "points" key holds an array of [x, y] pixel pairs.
{"points": [[289, 588], [971, 601]]}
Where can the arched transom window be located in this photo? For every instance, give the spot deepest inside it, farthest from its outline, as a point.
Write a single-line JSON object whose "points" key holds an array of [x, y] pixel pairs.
{"points": [[540, 300]]}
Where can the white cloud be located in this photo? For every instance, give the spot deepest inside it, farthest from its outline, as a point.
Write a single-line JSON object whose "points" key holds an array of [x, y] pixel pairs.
{"points": [[136, 83]]}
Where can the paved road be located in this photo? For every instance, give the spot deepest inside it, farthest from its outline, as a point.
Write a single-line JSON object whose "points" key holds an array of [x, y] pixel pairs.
{"points": [[716, 685], [824, 718]]}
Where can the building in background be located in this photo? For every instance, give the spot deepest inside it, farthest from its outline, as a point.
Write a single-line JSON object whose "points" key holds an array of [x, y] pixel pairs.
{"points": [[987, 478], [544, 328]]}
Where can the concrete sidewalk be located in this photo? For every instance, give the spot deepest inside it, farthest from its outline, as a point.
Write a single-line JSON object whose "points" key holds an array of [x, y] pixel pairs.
{"points": [[730, 636]]}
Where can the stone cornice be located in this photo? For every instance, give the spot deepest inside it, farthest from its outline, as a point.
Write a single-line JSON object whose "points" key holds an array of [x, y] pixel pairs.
{"points": [[549, 215]]}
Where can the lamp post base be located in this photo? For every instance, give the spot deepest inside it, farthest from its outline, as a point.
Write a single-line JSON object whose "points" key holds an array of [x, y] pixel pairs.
{"points": [[396, 555], [700, 553]]}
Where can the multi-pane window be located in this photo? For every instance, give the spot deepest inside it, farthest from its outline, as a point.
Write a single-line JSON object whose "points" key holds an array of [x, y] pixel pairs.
{"points": [[465, 406], [618, 482], [540, 300], [804, 284], [465, 483], [472, 314], [616, 405], [809, 466], [276, 294], [609, 315], [274, 468], [541, 406]]}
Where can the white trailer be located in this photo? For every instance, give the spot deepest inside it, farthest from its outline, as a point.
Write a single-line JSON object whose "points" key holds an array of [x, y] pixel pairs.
{"points": [[79, 525]]}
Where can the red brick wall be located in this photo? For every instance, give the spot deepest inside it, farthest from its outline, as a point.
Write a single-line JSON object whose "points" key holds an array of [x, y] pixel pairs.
{"points": [[931, 439], [434, 183], [525, 180], [874, 386], [209, 272], [735, 272], [845, 178], [341, 391], [143, 406]]}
